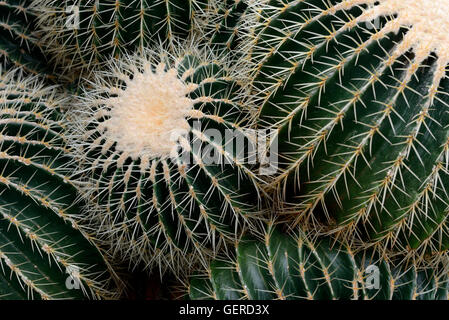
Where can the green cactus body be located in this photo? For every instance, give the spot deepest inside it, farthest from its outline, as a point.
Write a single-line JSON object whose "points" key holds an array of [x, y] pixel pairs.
{"points": [[358, 92], [224, 33], [19, 38], [158, 204], [286, 267], [43, 255], [83, 34]]}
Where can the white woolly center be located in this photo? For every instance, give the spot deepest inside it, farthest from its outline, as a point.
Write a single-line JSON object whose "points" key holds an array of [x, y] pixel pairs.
{"points": [[149, 114], [428, 25], [428, 22]]}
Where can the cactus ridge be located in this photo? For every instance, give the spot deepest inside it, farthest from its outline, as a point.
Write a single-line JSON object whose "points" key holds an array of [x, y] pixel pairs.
{"points": [[41, 246], [20, 38], [361, 114], [280, 266], [160, 208], [85, 34], [223, 28]]}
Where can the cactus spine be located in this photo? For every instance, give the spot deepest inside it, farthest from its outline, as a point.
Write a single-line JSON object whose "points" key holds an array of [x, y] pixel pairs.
{"points": [[156, 195], [85, 34], [225, 26], [286, 267], [43, 254], [358, 92], [19, 38]]}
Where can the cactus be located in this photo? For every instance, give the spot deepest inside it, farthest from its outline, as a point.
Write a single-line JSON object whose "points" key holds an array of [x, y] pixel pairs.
{"points": [[83, 34], [43, 254], [144, 136], [19, 38], [285, 267], [358, 92]]}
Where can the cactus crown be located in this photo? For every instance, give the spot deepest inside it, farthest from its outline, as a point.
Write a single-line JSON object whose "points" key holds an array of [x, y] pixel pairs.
{"points": [[425, 21], [145, 108], [144, 138], [422, 19]]}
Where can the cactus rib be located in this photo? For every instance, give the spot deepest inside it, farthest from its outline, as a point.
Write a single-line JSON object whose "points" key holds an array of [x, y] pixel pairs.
{"points": [[43, 254], [290, 267]]}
